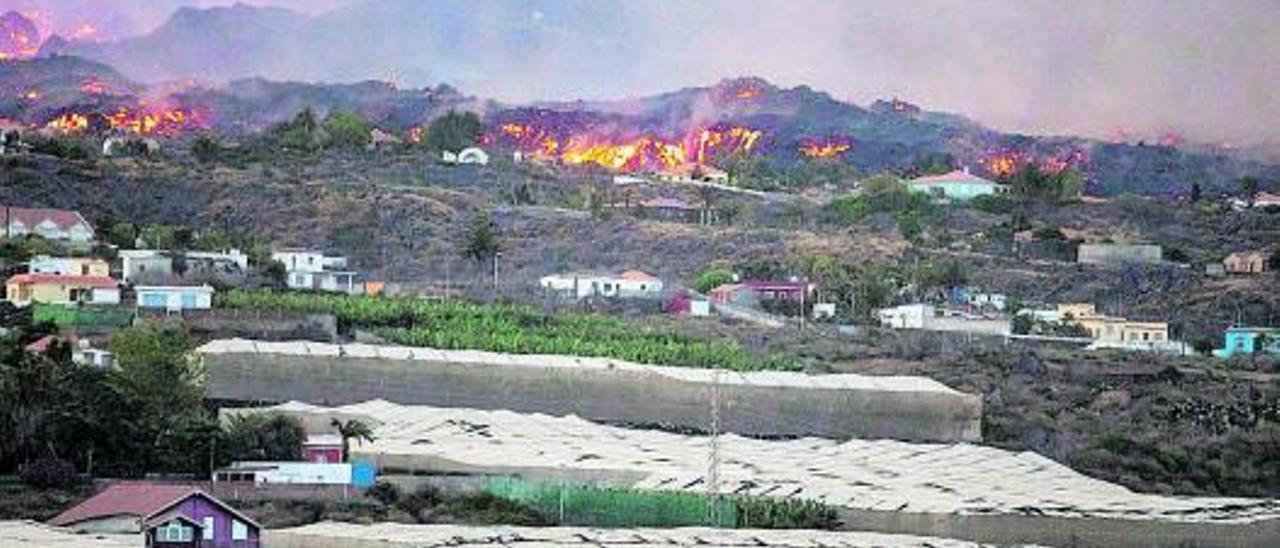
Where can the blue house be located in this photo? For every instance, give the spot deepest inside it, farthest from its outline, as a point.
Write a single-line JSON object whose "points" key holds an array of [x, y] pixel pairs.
{"points": [[959, 185], [1249, 340]]}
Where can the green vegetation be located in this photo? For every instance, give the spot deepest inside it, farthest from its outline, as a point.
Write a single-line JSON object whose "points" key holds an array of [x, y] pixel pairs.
{"points": [[453, 325], [481, 238], [82, 317], [144, 416], [885, 194], [712, 278], [352, 430], [262, 437], [613, 507], [1031, 182], [429, 505], [347, 130], [67, 148], [23, 248], [993, 203], [454, 131]]}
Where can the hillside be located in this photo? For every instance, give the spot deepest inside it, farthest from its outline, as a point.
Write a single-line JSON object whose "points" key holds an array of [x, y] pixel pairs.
{"points": [[785, 131]]}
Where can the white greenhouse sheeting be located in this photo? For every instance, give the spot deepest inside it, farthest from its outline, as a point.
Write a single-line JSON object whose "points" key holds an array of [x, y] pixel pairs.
{"points": [[461, 536], [957, 478]]}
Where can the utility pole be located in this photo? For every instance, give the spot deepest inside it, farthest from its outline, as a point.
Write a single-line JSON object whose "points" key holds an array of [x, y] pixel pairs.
{"points": [[713, 459], [496, 256]]}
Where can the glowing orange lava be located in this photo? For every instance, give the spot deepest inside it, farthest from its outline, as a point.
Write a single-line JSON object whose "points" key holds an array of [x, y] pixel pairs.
{"points": [[824, 148], [69, 123], [149, 121], [642, 152]]}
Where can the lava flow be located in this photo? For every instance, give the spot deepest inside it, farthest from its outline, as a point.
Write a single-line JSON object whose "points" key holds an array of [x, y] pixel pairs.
{"points": [[825, 148], [1008, 163], [69, 123], [631, 153], [146, 121]]}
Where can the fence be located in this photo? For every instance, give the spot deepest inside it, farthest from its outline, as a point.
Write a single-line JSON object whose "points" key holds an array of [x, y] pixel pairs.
{"points": [[605, 507], [82, 317]]}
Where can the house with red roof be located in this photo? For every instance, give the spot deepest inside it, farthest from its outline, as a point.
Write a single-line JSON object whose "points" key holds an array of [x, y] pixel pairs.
{"points": [[24, 289], [53, 224], [959, 185], [632, 284], [170, 515]]}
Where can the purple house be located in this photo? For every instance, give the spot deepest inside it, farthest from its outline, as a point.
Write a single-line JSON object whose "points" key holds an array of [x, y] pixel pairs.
{"points": [[169, 515]]}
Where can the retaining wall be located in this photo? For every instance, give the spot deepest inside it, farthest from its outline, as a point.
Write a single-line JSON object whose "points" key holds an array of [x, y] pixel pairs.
{"points": [[612, 395]]}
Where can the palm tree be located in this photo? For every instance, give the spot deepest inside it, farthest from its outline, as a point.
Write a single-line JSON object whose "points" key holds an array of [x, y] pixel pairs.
{"points": [[352, 429]]}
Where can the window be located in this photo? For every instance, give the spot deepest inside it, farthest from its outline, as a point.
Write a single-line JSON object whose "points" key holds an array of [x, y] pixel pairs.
{"points": [[174, 532], [188, 300], [154, 300], [239, 531], [208, 527]]}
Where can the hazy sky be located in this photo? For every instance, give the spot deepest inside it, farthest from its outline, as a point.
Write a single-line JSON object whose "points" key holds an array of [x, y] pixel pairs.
{"points": [[1207, 68]]}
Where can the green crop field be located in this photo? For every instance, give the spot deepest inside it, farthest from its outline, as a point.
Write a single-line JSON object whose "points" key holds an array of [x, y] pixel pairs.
{"points": [[456, 325]]}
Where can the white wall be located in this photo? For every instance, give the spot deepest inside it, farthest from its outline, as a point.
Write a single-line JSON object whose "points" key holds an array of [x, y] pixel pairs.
{"points": [[306, 473], [172, 297]]}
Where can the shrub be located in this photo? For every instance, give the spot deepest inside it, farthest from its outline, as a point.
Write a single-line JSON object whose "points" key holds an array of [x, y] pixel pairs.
{"points": [[424, 497], [66, 148], [384, 493], [713, 278], [49, 472], [999, 205]]}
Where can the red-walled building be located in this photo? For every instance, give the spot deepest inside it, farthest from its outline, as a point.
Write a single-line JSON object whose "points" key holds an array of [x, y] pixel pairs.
{"points": [[322, 448]]}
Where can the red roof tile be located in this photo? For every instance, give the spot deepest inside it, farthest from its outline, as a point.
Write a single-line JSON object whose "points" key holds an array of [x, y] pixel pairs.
{"points": [[638, 276], [30, 217], [41, 345], [87, 281], [139, 499], [144, 500], [958, 175]]}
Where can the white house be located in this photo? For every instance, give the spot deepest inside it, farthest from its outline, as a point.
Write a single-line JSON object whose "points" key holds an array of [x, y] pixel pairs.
{"points": [[313, 270], [69, 266], [175, 298], [468, 156], [997, 301], [53, 224], [232, 260], [927, 317], [138, 263], [93, 357], [909, 316], [631, 284], [294, 473]]}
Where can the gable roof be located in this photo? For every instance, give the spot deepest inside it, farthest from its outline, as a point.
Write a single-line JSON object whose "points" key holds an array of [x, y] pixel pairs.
{"points": [[104, 282], [1255, 254], [161, 519], [64, 219], [142, 499], [957, 176], [638, 276]]}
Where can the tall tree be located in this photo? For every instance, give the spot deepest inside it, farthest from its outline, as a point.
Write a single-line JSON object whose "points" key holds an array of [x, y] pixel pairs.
{"points": [[481, 239], [352, 430], [1249, 189], [158, 378], [454, 131]]}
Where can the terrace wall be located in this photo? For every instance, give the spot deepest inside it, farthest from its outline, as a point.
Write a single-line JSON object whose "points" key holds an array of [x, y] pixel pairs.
{"points": [[606, 395]]}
